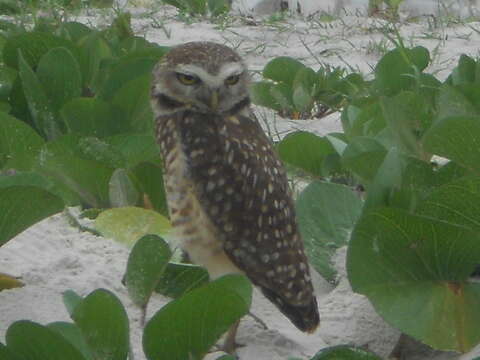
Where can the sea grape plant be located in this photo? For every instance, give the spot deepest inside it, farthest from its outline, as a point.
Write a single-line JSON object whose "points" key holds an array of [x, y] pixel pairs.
{"points": [[412, 234], [295, 90]]}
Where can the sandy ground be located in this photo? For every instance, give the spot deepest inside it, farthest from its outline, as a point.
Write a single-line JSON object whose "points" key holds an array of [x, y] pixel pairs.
{"points": [[53, 256]]}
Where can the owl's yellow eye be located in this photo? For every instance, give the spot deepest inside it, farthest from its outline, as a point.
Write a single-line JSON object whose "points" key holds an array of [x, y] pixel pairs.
{"points": [[186, 79], [232, 80]]}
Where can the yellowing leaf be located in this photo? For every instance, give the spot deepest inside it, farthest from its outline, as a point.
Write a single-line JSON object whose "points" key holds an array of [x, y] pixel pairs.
{"points": [[128, 224]]}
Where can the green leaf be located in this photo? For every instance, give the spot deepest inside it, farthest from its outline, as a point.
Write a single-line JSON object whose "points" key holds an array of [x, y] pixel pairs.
{"points": [[305, 150], [7, 354], [74, 31], [367, 121], [283, 96], [7, 78], [414, 270], [451, 102], [218, 7], [103, 322], [71, 300], [61, 162], [135, 148], [178, 279], [149, 179], [59, 73], [146, 264], [304, 89], [100, 150], [33, 341], [408, 118], [19, 103], [73, 335], [283, 69], [395, 69], [123, 72], [93, 117], [465, 72], [33, 45], [19, 144], [364, 156], [23, 206], [133, 99], [122, 191], [326, 215], [128, 224], [38, 103], [344, 352], [457, 202], [387, 180], [457, 139], [261, 95], [95, 49], [177, 333]]}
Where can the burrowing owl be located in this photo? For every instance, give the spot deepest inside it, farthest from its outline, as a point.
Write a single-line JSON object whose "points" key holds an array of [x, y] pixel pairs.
{"points": [[227, 190]]}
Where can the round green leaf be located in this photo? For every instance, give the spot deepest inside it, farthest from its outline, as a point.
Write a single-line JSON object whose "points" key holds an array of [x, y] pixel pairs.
{"points": [[19, 144], [95, 50], [103, 322], [282, 69], [393, 70], [121, 190], [7, 77], [93, 117], [33, 341], [23, 206], [133, 99], [135, 148], [149, 178], [176, 332], [59, 73], [128, 224], [451, 102], [33, 46], [38, 102], [457, 202], [123, 72], [306, 151], [178, 279], [456, 138], [73, 335], [261, 95], [75, 30], [7, 354], [363, 156], [326, 215], [146, 263], [415, 272], [71, 299], [63, 162]]}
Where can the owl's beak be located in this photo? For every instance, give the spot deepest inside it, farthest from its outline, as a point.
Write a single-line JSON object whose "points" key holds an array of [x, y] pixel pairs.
{"points": [[214, 100]]}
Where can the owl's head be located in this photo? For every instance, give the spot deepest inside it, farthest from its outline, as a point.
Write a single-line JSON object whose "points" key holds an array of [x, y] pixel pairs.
{"points": [[203, 76]]}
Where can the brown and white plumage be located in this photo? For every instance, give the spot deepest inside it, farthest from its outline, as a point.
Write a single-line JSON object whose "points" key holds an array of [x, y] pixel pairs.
{"points": [[227, 190]]}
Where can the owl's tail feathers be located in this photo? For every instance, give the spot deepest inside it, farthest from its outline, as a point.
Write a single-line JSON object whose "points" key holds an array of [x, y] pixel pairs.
{"points": [[304, 317]]}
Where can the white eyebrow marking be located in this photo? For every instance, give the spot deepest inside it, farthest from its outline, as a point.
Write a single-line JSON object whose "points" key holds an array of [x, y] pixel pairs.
{"points": [[227, 70]]}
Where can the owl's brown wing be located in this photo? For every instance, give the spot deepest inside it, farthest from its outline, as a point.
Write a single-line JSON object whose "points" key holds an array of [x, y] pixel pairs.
{"points": [[243, 188]]}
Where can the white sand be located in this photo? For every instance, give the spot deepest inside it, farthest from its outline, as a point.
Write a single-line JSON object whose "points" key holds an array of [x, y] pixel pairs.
{"points": [[52, 256]]}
